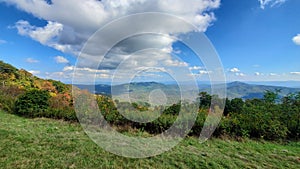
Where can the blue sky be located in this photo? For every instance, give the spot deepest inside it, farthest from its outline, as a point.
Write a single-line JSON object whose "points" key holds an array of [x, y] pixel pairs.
{"points": [[256, 39]]}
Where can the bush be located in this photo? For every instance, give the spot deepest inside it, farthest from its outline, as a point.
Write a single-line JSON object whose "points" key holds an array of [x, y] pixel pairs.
{"points": [[8, 96], [6, 102], [33, 103]]}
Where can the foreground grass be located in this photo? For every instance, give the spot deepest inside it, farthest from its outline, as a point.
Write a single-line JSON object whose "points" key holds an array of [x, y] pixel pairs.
{"points": [[46, 143]]}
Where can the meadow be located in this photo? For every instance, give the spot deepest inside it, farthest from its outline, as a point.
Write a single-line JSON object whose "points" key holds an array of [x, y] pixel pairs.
{"points": [[48, 143]]}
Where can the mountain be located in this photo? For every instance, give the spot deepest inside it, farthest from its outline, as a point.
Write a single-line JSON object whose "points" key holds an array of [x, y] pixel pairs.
{"points": [[136, 91], [234, 89], [291, 84], [249, 91]]}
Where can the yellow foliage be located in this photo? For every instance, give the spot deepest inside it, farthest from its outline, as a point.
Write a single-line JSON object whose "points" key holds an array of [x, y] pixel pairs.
{"points": [[52, 94]]}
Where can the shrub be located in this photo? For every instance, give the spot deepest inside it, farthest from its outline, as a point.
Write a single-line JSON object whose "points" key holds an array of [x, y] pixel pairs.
{"points": [[33, 103]]}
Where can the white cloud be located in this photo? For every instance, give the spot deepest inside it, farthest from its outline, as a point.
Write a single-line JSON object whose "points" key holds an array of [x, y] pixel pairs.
{"points": [[204, 72], [69, 68], [273, 74], [87, 15], [234, 70], [271, 3], [295, 73], [257, 73], [200, 73], [61, 59], [296, 39], [34, 72], [45, 35], [71, 24], [196, 68], [240, 74], [85, 69], [31, 60], [83, 75]]}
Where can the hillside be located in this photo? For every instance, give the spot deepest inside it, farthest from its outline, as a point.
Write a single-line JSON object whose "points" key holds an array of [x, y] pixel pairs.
{"points": [[11, 76], [25, 94]]}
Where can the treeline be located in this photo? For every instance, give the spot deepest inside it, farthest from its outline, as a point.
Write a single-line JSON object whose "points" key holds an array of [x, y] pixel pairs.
{"points": [[269, 118]]}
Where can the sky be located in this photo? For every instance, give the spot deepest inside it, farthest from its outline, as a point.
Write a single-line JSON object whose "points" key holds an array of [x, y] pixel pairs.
{"points": [[256, 40]]}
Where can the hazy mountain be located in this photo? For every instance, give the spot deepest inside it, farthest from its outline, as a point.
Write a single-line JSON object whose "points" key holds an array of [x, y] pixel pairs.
{"points": [[292, 84], [248, 91], [234, 89]]}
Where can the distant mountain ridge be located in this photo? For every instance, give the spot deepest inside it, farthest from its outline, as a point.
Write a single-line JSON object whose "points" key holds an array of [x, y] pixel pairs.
{"points": [[249, 91], [234, 89]]}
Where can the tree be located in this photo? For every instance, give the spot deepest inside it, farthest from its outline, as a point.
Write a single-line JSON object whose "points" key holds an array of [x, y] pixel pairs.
{"points": [[271, 97], [205, 99], [237, 105], [174, 109], [60, 87]]}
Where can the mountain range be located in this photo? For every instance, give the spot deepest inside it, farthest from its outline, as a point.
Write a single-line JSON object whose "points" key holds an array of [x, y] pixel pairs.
{"points": [[234, 89]]}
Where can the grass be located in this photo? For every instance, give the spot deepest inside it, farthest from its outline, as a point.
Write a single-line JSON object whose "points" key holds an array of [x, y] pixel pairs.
{"points": [[46, 143]]}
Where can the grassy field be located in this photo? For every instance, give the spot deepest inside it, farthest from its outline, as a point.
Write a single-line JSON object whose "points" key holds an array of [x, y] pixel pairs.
{"points": [[46, 143]]}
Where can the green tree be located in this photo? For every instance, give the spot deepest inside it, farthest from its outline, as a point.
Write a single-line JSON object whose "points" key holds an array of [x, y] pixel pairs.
{"points": [[205, 99], [271, 97], [237, 105]]}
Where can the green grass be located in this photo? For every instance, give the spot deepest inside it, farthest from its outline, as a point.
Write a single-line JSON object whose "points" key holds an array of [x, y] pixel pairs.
{"points": [[46, 143]]}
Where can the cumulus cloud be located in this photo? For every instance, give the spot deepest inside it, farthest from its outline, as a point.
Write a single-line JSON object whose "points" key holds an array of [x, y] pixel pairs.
{"points": [[31, 60], [61, 59], [47, 35], [71, 24], [296, 39], [234, 70], [90, 14], [271, 3]]}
